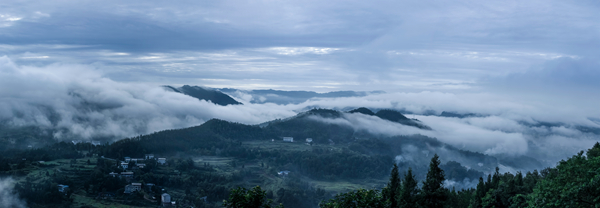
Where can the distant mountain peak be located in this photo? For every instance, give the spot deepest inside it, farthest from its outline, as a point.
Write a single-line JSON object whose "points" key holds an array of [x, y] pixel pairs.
{"points": [[362, 110], [325, 113], [204, 93], [391, 115], [395, 116], [457, 115]]}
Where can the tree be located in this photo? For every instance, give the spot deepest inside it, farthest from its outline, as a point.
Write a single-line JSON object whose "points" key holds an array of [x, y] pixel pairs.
{"points": [[244, 198], [409, 191], [356, 199], [576, 184], [392, 190], [478, 195], [434, 194], [595, 151]]}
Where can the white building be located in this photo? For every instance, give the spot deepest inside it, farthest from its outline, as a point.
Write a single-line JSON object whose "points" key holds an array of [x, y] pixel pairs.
{"points": [[165, 199], [162, 161], [149, 186], [132, 188], [127, 174], [149, 156], [63, 188], [288, 139], [136, 160], [124, 165], [136, 186], [308, 140]]}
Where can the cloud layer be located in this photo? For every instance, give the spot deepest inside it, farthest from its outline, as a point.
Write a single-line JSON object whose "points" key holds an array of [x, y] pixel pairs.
{"points": [[81, 102], [307, 45]]}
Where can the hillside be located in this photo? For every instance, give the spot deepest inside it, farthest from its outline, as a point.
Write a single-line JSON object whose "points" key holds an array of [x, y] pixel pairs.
{"points": [[395, 116], [206, 94], [363, 110], [220, 155]]}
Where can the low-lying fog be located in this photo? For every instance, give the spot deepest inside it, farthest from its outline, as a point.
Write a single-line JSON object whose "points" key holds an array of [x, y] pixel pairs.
{"points": [[87, 105]]}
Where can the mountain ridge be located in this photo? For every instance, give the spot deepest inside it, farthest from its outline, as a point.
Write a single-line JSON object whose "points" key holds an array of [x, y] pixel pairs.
{"points": [[207, 94]]}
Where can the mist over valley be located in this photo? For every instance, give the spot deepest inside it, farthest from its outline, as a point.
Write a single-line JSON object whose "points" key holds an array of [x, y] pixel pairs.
{"points": [[299, 104]]}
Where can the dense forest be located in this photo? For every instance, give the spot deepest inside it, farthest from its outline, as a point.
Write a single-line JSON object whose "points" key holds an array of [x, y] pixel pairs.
{"points": [[574, 182], [256, 156]]}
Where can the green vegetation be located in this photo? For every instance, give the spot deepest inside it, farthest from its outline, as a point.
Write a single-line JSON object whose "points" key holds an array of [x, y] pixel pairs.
{"points": [[573, 183], [220, 160], [243, 198]]}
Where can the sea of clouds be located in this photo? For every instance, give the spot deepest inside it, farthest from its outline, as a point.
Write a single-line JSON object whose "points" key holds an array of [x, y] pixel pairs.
{"points": [[88, 105]]}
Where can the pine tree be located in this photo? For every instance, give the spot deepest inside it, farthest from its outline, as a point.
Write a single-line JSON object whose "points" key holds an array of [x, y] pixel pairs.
{"points": [[392, 189], [409, 190], [496, 178], [479, 194], [434, 194]]}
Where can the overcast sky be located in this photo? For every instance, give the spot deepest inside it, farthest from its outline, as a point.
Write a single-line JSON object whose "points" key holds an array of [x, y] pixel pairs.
{"points": [[313, 45]]}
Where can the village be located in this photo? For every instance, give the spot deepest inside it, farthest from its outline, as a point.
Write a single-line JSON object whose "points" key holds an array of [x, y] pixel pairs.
{"points": [[125, 169]]}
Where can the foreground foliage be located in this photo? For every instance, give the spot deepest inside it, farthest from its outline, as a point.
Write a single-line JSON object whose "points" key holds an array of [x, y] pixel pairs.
{"points": [[574, 182], [243, 198]]}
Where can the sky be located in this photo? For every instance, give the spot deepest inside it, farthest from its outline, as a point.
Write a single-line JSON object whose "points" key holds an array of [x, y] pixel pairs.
{"points": [[311, 45], [514, 61]]}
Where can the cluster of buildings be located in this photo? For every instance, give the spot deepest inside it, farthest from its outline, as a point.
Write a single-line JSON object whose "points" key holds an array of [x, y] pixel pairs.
{"points": [[125, 164], [291, 139], [165, 198], [133, 187], [127, 175], [135, 163]]}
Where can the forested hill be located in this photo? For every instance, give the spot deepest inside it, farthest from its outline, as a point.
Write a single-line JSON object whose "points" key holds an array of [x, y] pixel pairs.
{"points": [[574, 182], [213, 134], [338, 157], [207, 94], [395, 116], [363, 110], [304, 126], [218, 136]]}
